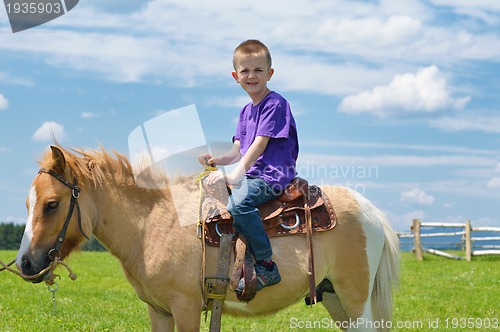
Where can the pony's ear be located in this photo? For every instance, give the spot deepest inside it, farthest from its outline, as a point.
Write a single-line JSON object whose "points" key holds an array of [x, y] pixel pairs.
{"points": [[59, 162]]}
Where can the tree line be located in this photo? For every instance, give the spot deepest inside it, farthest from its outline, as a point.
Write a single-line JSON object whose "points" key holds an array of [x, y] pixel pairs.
{"points": [[11, 236]]}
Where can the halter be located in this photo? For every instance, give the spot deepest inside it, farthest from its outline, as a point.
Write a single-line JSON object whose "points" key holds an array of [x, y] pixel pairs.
{"points": [[75, 193]]}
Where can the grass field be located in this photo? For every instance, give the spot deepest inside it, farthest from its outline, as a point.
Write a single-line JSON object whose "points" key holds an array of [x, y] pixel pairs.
{"points": [[435, 295]]}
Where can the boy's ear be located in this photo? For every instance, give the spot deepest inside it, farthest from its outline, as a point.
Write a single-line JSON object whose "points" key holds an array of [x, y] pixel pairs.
{"points": [[235, 76], [270, 73]]}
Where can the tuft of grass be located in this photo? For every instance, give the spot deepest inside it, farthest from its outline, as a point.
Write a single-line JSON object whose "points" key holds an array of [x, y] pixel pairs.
{"points": [[432, 293]]}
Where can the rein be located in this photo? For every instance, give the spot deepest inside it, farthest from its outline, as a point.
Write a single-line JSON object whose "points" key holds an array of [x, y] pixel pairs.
{"points": [[75, 193], [50, 267]]}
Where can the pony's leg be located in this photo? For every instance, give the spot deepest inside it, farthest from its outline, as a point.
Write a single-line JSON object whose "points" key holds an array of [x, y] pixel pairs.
{"points": [[160, 321], [187, 312], [332, 304]]}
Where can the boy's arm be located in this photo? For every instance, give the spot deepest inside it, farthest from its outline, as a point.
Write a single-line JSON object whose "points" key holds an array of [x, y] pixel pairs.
{"points": [[254, 151], [230, 157], [227, 158]]}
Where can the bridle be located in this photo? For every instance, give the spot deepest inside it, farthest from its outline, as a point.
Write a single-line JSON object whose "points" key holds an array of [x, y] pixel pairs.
{"points": [[75, 193]]}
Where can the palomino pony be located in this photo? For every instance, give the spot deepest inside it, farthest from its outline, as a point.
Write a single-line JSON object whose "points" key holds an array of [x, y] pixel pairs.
{"points": [[162, 259]]}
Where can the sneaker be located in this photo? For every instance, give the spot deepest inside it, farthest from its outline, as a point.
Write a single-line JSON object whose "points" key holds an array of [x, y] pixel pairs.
{"points": [[266, 276]]}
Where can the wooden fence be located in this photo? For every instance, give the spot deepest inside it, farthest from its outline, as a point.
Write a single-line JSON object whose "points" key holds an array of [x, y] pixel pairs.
{"points": [[468, 240]]}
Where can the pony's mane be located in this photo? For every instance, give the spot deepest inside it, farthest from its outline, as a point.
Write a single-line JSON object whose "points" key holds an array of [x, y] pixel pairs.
{"points": [[98, 165], [102, 167]]}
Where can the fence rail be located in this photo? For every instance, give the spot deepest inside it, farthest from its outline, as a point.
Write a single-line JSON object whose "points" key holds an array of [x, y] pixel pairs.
{"points": [[468, 241]]}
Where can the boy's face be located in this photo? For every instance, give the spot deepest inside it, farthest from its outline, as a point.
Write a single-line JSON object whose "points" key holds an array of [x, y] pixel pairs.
{"points": [[252, 73]]}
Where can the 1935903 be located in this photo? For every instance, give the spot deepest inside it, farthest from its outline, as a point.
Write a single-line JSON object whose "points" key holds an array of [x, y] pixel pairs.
{"points": [[471, 323], [34, 8]]}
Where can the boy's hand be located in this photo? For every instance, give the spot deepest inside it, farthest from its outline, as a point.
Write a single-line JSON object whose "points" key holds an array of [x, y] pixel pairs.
{"points": [[206, 159], [217, 176], [214, 177]]}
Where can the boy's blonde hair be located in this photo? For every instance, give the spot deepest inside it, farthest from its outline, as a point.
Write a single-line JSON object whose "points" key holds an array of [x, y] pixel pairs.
{"points": [[252, 47]]}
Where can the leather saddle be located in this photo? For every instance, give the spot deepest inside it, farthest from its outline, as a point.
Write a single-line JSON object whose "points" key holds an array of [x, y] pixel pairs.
{"points": [[285, 215], [300, 209]]}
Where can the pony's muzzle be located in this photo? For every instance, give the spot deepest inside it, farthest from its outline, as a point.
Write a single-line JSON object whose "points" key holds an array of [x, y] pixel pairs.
{"points": [[30, 267]]}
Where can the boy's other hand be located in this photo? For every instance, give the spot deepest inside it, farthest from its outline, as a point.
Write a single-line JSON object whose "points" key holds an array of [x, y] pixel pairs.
{"points": [[205, 159], [215, 177]]}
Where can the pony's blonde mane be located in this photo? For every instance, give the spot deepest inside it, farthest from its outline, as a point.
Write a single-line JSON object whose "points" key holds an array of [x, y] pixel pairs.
{"points": [[102, 167], [97, 165]]}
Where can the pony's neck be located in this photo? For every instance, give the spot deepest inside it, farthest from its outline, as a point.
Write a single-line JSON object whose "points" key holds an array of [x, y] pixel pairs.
{"points": [[137, 224], [126, 219]]}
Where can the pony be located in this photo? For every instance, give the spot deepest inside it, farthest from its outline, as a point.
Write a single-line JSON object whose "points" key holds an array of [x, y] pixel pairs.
{"points": [[162, 259]]}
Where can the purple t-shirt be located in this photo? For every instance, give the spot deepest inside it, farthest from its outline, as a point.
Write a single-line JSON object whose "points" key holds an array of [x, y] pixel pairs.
{"points": [[272, 117]]}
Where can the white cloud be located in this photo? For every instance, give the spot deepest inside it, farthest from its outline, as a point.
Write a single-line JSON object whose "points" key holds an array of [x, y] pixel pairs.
{"points": [[493, 183], [4, 103], [497, 169], [425, 91], [329, 46], [485, 123], [485, 222], [14, 220], [48, 130], [336, 78], [484, 10], [418, 197], [228, 102], [402, 222], [87, 115], [448, 149], [12, 80], [374, 30], [488, 5], [316, 159]]}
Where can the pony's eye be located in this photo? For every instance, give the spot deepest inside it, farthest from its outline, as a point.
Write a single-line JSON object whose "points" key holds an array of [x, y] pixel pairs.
{"points": [[52, 205]]}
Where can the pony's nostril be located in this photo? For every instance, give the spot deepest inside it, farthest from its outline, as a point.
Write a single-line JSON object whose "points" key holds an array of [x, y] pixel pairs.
{"points": [[25, 265]]}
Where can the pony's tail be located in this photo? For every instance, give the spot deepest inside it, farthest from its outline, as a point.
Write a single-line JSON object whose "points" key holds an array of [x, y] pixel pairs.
{"points": [[387, 277]]}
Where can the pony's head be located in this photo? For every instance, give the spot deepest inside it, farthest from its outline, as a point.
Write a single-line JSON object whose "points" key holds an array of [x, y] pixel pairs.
{"points": [[53, 228]]}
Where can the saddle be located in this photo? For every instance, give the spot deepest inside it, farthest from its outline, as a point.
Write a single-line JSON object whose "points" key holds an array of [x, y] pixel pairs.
{"points": [[283, 216], [301, 209]]}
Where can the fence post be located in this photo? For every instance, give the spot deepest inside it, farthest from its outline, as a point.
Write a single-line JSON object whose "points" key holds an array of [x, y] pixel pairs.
{"points": [[468, 242], [417, 244]]}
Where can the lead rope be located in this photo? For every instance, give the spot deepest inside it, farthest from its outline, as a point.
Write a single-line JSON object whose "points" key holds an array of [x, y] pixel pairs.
{"points": [[52, 265]]}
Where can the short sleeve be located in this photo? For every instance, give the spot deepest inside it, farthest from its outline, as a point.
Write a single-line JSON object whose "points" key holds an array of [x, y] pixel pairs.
{"points": [[274, 121]]}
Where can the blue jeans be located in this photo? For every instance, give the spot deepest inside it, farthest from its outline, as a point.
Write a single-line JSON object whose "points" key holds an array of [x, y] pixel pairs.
{"points": [[246, 195]]}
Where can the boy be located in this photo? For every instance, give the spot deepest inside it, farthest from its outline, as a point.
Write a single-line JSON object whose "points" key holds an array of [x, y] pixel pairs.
{"points": [[266, 145]]}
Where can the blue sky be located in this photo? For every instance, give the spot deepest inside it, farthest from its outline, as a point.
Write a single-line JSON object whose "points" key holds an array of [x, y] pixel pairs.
{"points": [[396, 99]]}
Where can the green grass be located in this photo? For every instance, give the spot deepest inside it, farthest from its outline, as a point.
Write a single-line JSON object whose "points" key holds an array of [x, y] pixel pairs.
{"points": [[102, 300]]}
